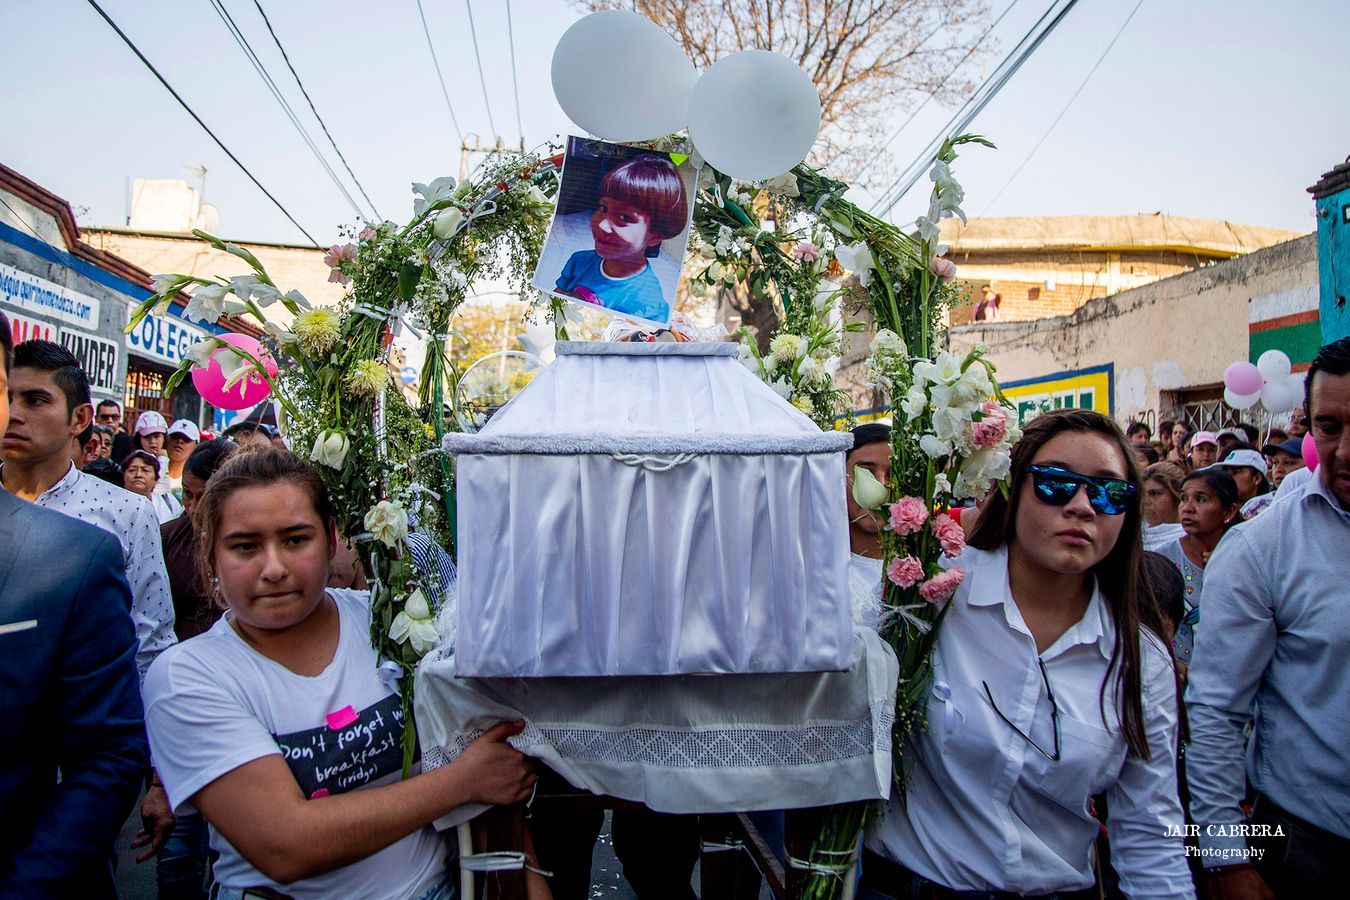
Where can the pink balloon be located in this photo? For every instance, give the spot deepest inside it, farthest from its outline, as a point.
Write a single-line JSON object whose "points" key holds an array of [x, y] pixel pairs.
{"points": [[252, 390], [1310, 452], [1243, 379]]}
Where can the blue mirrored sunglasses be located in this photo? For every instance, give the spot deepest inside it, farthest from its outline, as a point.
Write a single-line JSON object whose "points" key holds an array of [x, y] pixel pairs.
{"points": [[1056, 486]]}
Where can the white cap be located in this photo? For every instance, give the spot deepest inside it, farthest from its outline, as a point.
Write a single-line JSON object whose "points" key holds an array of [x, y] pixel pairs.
{"points": [[1251, 459], [151, 422], [186, 429]]}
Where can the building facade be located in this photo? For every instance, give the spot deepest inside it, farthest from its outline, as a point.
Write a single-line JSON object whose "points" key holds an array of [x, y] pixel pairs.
{"points": [[56, 286]]}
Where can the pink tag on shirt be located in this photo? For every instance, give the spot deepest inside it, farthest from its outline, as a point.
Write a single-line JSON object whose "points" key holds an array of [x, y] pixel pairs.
{"points": [[342, 718], [321, 792]]}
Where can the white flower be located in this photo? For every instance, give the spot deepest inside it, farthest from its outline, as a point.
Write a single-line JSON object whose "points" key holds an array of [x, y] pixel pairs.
{"points": [[440, 189], [298, 299], [537, 197], [928, 228], [788, 346], [164, 284], [857, 259], [941, 486], [243, 286], [887, 342], [330, 449], [265, 295], [973, 387], [867, 491], [770, 363], [388, 522], [807, 369], [207, 303], [279, 334], [943, 370], [822, 378], [415, 623], [784, 185], [447, 223], [234, 366], [200, 352], [716, 271], [934, 448], [726, 239], [915, 402], [782, 387], [950, 423]]}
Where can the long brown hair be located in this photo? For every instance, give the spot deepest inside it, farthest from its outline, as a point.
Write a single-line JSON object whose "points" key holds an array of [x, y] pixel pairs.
{"points": [[1121, 575], [245, 468]]}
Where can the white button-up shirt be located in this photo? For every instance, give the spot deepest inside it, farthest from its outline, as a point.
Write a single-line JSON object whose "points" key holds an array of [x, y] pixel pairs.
{"points": [[1272, 641], [987, 811], [131, 519]]}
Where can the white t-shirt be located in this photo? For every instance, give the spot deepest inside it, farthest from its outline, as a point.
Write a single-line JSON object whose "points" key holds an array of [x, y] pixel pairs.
{"points": [[214, 703]]}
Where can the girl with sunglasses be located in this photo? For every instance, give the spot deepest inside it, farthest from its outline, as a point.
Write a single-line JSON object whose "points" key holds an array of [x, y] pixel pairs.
{"points": [[1051, 686]]}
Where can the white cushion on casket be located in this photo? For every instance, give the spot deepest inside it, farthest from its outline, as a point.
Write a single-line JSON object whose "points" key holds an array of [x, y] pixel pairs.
{"points": [[650, 509]]}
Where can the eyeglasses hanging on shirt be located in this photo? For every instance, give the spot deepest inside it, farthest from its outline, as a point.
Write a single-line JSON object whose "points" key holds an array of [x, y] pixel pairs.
{"points": [[1054, 714]]}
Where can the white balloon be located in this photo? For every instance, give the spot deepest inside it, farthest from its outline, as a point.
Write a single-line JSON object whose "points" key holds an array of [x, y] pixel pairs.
{"points": [[1273, 365], [1278, 396], [621, 78], [754, 114], [1240, 401]]}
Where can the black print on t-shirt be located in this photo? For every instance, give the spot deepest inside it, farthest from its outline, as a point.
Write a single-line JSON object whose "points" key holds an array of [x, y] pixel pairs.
{"points": [[335, 760]]}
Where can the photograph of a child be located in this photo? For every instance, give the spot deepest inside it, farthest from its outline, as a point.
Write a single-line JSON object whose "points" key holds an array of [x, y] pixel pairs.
{"points": [[619, 232]]}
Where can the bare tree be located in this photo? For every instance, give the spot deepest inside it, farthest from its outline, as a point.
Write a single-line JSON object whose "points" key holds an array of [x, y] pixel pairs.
{"points": [[869, 59]]}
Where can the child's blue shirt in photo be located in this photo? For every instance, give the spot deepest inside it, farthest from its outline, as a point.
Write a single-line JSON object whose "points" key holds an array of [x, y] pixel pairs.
{"points": [[637, 295]]}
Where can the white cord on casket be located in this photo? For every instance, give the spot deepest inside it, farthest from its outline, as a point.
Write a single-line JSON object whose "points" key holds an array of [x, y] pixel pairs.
{"points": [[654, 463]]}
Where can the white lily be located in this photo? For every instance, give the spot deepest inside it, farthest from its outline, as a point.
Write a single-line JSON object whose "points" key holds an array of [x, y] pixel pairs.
{"points": [[279, 334], [163, 284], [298, 299], [388, 522], [784, 185], [934, 448], [243, 286], [200, 352], [915, 402], [867, 491], [207, 303], [234, 366], [857, 258], [430, 194], [330, 449], [447, 223], [265, 295], [415, 623], [782, 387]]}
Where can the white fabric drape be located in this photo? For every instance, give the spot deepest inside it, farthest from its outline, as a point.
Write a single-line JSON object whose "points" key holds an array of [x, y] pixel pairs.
{"points": [[683, 744]]}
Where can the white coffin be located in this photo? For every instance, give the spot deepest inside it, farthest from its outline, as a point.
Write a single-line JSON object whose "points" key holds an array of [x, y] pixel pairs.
{"points": [[650, 509]]}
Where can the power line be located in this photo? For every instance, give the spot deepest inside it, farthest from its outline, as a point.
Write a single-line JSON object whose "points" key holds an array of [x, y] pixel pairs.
{"points": [[1083, 84], [974, 105], [258, 66], [22, 221], [322, 125], [515, 85], [439, 76], [941, 84], [473, 32], [183, 103]]}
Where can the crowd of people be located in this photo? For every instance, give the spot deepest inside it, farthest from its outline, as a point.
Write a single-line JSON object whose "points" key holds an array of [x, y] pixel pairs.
{"points": [[181, 623]]}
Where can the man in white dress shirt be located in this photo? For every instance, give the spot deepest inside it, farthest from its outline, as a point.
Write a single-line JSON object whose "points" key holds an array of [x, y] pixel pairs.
{"points": [[50, 403], [1273, 649]]}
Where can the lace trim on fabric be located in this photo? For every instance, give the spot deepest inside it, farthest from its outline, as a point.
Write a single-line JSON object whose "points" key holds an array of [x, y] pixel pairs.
{"points": [[711, 749]]}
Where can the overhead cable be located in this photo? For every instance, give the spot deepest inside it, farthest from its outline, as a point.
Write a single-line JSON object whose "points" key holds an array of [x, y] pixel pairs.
{"points": [[322, 124], [436, 63], [183, 103], [473, 33]]}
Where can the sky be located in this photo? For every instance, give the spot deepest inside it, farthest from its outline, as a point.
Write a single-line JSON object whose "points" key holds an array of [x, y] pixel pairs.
{"points": [[1223, 109]]}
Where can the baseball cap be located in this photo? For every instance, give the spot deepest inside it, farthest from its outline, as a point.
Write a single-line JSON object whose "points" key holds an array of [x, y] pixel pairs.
{"points": [[151, 423], [1204, 437], [1293, 446], [1232, 432], [186, 429], [1251, 459]]}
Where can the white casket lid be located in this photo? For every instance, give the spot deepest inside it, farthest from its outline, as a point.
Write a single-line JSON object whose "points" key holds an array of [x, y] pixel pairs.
{"points": [[611, 397]]}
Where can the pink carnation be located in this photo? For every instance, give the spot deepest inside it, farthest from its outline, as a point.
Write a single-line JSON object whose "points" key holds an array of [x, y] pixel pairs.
{"points": [[908, 515], [367, 234], [339, 253], [940, 587], [989, 431], [942, 268], [806, 252], [905, 572], [337, 276], [949, 534]]}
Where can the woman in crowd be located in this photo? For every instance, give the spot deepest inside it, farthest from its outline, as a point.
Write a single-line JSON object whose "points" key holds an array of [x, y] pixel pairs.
{"points": [[1179, 435], [99, 445], [183, 439], [1052, 686], [193, 609], [258, 723], [140, 473], [1203, 449], [1162, 501], [1209, 507], [1248, 468], [1166, 430]]}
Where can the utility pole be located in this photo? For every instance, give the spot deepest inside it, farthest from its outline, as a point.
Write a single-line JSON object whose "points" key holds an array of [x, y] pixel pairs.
{"points": [[478, 147]]}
